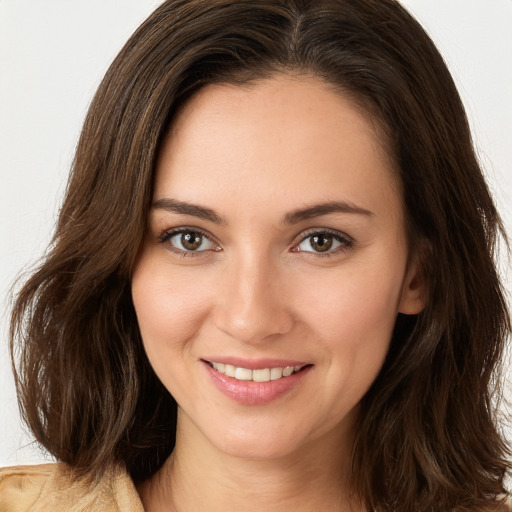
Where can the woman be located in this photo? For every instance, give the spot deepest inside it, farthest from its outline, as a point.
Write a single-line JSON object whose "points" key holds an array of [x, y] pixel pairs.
{"points": [[272, 282]]}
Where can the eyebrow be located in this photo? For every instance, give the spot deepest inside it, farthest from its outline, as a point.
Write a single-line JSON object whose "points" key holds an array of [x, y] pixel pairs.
{"points": [[175, 206], [317, 210], [293, 217]]}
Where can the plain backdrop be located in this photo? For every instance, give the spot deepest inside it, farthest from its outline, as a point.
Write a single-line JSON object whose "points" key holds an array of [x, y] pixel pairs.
{"points": [[53, 54]]}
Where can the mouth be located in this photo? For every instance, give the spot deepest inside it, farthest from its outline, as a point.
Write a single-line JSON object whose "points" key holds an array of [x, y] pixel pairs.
{"points": [[256, 375], [264, 381]]}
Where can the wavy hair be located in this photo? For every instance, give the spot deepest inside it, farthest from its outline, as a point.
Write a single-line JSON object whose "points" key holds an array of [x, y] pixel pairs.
{"points": [[427, 435]]}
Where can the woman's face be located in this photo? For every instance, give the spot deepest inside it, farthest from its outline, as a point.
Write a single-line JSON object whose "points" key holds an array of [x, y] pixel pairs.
{"points": [[276, 244]]}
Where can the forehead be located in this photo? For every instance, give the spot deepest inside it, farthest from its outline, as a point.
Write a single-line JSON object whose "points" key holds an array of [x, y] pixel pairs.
{"points": [[289, 97], [285, 133]]}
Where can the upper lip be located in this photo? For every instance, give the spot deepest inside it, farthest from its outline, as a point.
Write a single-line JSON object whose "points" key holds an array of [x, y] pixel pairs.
{"points": [[255, 364]]}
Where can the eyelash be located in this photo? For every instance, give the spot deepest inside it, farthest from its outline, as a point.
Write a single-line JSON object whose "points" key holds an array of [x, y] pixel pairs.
{"points": [[346, 242], [167, 235]]}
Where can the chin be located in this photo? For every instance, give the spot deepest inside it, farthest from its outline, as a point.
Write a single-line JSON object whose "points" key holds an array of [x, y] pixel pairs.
{"points": [[260, 441]]}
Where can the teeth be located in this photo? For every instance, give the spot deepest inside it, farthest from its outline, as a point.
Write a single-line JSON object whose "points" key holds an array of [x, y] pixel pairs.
{"points": [[228, 370], [288, 371], [243, 374], [261, 375], [276, 373]]}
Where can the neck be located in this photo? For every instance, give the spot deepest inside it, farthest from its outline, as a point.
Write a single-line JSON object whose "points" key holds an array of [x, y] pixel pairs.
{"points": [[199, 477]]}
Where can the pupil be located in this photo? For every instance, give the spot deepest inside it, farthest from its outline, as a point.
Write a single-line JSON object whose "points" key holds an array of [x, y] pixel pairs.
{"points": [[191, 240], [322, 243]]}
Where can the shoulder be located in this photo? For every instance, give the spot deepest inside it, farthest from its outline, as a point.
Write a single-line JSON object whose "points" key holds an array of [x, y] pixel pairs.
{"points": [[20, 486], [52, 487]]}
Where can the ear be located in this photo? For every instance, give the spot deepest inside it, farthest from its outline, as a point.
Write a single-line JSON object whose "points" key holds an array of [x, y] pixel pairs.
{"points": [[414, 290]]}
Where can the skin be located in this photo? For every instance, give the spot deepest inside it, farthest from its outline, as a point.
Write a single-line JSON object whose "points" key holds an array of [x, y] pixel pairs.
{"points": [[252, 155]]}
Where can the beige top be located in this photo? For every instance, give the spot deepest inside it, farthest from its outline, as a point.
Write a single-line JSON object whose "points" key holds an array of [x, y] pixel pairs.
{"points": [[50, 488]]}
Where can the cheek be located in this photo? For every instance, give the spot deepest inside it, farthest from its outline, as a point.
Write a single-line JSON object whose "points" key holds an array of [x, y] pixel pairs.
{"points": [[169, 307], [353, 311], [353, 300]]}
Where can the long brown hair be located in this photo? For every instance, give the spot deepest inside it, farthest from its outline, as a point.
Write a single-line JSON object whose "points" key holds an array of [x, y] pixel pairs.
{"points": [[427, 436]]}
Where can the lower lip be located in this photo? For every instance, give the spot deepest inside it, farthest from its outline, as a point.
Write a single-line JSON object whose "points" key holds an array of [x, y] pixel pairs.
{"points": [[248, 392]]}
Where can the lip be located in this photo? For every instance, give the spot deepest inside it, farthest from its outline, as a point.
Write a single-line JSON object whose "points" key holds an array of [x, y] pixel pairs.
{"points": [[250, 392]]}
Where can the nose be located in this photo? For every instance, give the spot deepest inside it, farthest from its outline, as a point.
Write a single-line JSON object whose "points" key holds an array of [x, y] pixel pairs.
{"points": [[251, 306]]}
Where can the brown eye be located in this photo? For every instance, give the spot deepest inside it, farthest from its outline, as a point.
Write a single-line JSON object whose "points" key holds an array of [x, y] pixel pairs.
{"points": [[322, 242], [191, 241], [188, 240]]}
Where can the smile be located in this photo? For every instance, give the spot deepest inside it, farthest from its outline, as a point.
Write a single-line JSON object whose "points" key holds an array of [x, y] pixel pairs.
{"points": [[256, 375], [265, 382]]}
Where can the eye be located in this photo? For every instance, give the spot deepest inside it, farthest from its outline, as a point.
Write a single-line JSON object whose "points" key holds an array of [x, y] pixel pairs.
{"points": [[185, 241], [324, 242]]}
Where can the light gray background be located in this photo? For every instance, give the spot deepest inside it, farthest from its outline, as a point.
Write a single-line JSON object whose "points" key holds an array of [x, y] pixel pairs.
{"points": [[53, 54]]}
